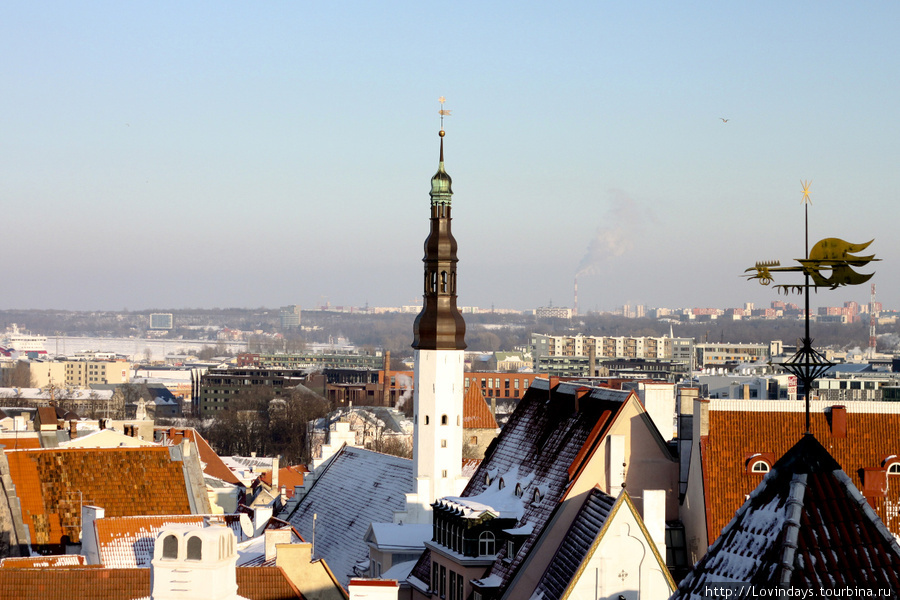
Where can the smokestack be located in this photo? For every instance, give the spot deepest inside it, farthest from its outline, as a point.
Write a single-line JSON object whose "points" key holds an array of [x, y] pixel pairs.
{"points": [[386, 385], [575, 308]]}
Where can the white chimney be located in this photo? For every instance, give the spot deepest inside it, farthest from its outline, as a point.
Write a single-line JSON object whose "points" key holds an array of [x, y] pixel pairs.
{"points": [[655, 518]]}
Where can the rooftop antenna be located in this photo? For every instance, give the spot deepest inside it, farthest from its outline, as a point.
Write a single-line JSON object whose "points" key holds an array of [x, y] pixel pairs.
{"points": [[829, 263]]}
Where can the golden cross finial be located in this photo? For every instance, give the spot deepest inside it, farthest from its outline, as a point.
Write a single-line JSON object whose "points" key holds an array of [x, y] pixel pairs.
{"points": [[443, 112], [806, 185]]}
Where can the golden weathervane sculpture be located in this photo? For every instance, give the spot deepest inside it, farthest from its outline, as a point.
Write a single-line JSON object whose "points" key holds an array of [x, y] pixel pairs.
{"points": [[830, 264]]}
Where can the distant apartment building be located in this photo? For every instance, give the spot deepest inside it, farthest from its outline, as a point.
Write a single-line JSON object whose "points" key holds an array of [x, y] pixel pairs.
{"points": [[553, 312], [91, 372], [609, 347], [309, 360], [721, 354], [290, 317], [221, 389], [162, 321]]}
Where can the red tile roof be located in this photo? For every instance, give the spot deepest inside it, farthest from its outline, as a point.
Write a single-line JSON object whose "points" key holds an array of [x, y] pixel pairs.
{"points": [[128, 541], [213, 465], [52, 484], [65, 583], [735, 436], [476, 412], [805, 525], [20, 441], [33, 562], [287, 477]]}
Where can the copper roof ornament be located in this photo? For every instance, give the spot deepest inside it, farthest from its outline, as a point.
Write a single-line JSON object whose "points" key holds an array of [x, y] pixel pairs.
{"points": [[830, 264]]}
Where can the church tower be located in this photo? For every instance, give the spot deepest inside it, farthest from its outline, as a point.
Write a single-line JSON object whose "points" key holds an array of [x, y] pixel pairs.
{"points": [[439, 333]]}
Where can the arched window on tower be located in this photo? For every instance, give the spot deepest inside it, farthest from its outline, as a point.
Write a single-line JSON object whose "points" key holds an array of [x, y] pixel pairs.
{"points": [[170, 547], [194, 548], [444, 282], [443, 419], [434, 281]]}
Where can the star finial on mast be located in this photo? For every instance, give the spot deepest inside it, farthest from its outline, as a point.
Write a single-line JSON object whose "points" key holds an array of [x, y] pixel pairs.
{"points": [[806, 185]]}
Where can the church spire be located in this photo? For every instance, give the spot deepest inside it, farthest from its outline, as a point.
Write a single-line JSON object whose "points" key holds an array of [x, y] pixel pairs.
{"points": [[440, 326]]}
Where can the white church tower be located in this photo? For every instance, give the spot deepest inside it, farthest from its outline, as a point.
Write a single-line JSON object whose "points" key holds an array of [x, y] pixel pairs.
{"points": [[439, 362]]}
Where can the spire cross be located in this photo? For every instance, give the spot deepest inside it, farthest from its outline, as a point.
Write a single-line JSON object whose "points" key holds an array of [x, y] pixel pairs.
{"points": [[443, 112]]}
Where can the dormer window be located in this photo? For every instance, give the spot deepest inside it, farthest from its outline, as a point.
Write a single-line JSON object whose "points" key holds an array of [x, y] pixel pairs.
{"points": [[519, 490], [501, 484], [486, 543], [537, 496], [487, 479], [894, 469], [760, 466]]}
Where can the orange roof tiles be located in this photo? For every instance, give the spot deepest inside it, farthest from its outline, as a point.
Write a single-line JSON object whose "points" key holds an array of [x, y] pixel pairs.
{"points": [[265, 583], [65, 583], [33, 562], [128, 541], [735, 436], [288, 477], [476, 413], [213, 464], [53, 484], [20, 441]]}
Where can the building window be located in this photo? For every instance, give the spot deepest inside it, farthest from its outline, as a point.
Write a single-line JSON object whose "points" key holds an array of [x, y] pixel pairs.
{"points": [[443, 582], [519, 490], [444, 473], [443, 443], [435, 577], [194, 548], [894, 469], [760, 466], [510, 549], [452, 585], [486, 543], [170, 547], [443, 419]]}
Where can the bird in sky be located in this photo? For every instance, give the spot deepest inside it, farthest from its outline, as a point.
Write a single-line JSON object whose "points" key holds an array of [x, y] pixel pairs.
{"points": [[724, 120]]}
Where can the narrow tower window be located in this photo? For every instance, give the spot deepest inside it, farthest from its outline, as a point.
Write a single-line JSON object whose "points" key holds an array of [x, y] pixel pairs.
{"points": [[443, 419], [194, 548], [170, 547], [444, 281]]}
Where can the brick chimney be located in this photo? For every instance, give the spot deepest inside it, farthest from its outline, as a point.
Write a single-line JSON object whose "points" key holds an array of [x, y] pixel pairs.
{"points": [[839, 421]]}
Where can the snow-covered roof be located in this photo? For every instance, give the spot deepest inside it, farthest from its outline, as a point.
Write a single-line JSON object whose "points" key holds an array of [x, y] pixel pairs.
{"points": [[806, 525], [400, 535], [356, 488]]}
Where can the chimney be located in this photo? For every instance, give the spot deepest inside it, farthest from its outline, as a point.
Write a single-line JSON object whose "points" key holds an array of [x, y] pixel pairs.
{"points": [[275, 467], [839, 421], [386, 385], [73, 429], [276, 536], [373, 589], [655, 517]]}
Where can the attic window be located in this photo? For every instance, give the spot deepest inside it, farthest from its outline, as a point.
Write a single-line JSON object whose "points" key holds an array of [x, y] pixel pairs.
{"points": [[537, 496], [487, 479], [894, 469], [501, 484], [519, 490], [760, 466]]}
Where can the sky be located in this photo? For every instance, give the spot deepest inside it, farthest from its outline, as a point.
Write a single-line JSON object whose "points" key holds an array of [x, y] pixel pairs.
{"points": [[246, 154]]}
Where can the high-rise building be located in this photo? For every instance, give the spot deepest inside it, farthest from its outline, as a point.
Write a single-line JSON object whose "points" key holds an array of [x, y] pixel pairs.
{"points": [[439, 341], [290, 316]]}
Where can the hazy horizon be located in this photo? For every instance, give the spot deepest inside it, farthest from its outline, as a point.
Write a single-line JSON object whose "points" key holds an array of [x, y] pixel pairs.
{"points": [[245, 155]]}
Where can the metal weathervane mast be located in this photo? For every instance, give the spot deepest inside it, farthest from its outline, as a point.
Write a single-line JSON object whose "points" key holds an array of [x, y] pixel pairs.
{"points": [[830, 264]]}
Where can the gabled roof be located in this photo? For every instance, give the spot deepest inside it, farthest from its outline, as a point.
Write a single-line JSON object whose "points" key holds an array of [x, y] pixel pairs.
{"points": [[591, 525], [213, 464], [544, 445], [356, 488], [65, 583], [128, 541], [476, 413], [805, 525], [740, 430], [52, 485]]}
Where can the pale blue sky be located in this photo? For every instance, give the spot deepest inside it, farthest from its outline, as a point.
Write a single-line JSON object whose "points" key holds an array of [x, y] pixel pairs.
{"points": [[201, 154]]}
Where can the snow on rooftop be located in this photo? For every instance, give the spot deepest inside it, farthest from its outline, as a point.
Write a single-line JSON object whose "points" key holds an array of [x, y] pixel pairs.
{"points": [[400, 571], [496, 501], [401, 535]]}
